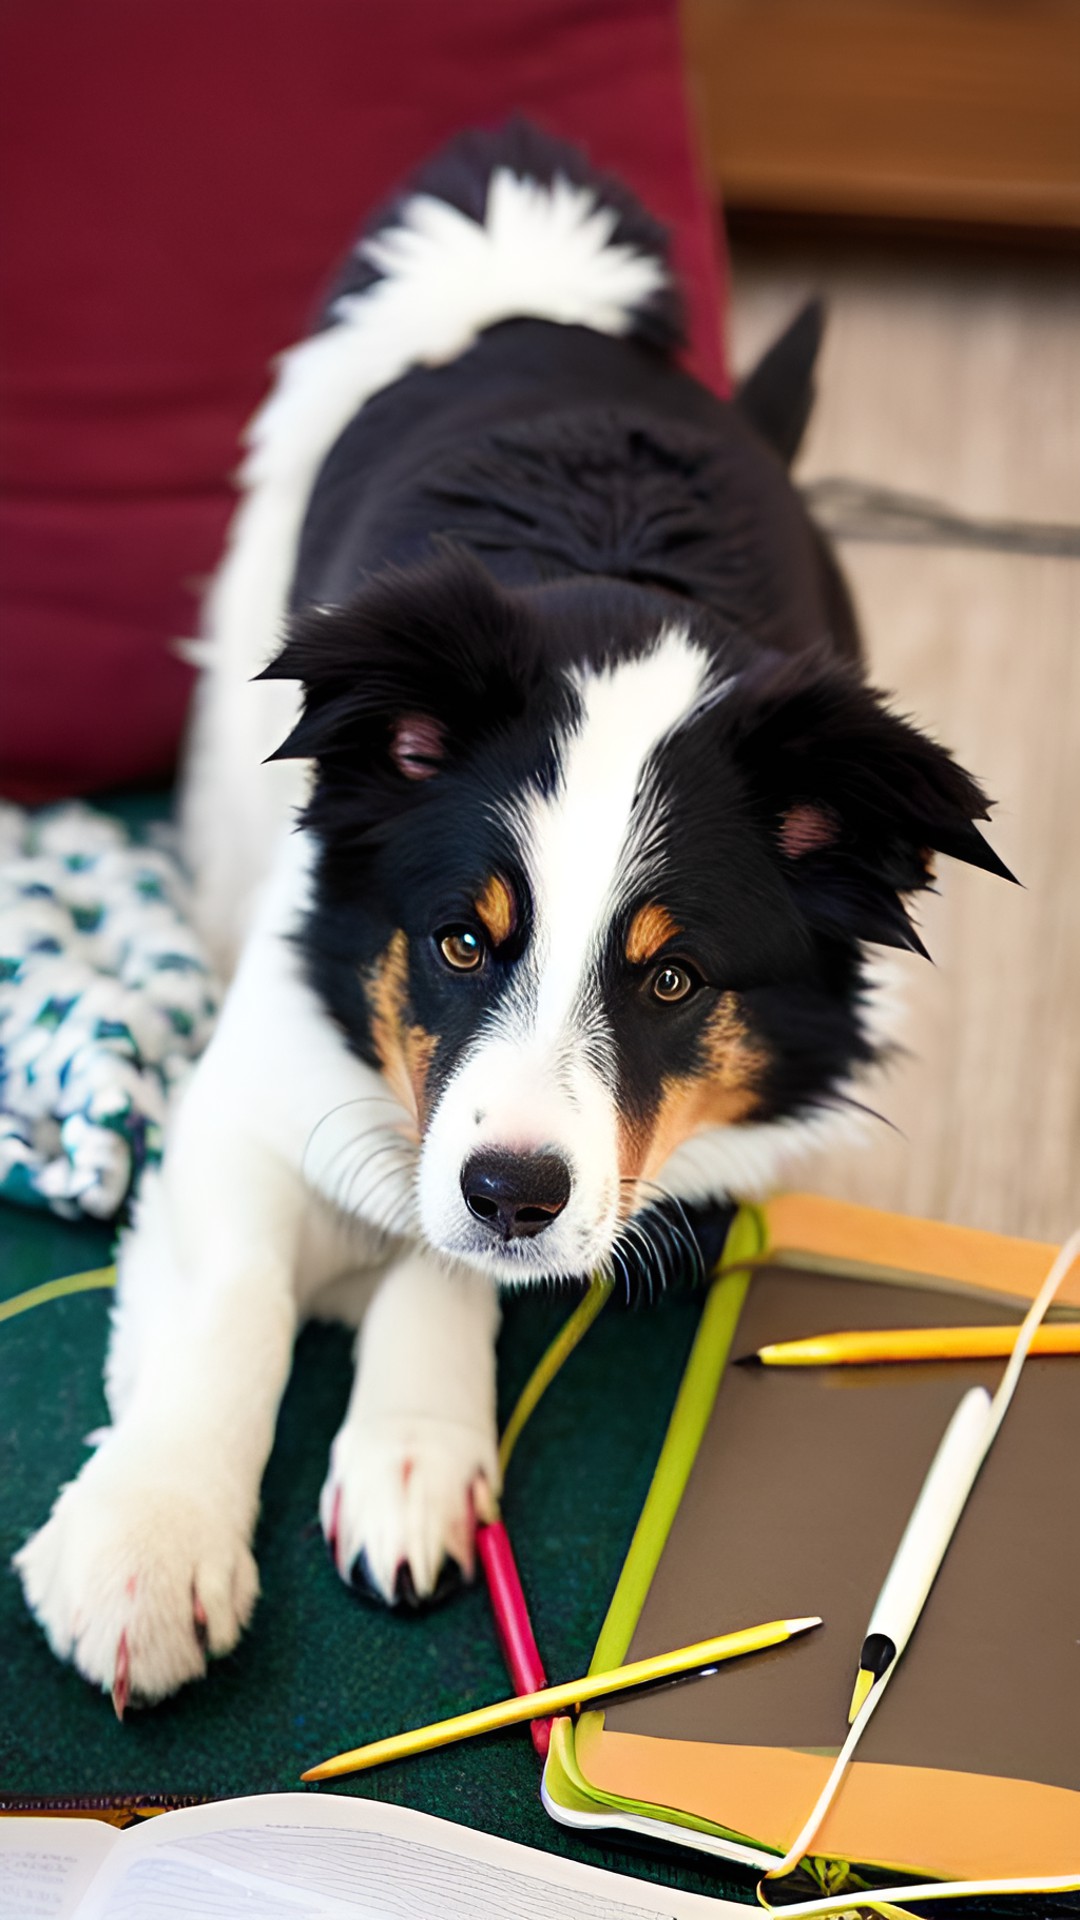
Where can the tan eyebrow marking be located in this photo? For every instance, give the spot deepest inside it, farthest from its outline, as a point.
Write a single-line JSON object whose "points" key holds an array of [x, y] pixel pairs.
{"points": [[497, 910], [650, 927]]}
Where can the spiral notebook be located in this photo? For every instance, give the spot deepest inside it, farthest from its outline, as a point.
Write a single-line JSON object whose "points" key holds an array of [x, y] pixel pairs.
{"points": [[783, 1492]]}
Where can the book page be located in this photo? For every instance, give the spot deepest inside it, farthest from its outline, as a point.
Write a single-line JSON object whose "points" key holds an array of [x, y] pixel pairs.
{"points": [[331, 1857], [46, 1865]]}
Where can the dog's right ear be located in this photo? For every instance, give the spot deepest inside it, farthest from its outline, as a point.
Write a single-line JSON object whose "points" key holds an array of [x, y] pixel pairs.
{"points": [[778, 395], [406, 677], [855, 798]]}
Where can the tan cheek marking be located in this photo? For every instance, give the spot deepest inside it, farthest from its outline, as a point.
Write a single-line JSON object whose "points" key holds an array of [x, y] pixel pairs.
{"points": [[632, 1144], [405, 1049], [419, 1050], [650, 927], [736, 1063], [722, 1093], [496, 909]]}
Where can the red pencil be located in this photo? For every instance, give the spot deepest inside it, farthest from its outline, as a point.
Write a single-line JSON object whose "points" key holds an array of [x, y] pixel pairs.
{"points": [[512, 1623]]}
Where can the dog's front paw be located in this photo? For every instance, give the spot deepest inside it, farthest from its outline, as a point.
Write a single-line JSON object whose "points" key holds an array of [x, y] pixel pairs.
{"points": [[398, 1506], [138, 1575]]}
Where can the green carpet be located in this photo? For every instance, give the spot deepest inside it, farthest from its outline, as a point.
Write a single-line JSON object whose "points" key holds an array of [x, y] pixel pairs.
{"points": [[320, 1670]]}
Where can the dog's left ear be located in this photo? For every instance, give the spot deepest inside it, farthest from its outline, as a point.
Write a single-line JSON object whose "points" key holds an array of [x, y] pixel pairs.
{"points": [[778, 395], [406, 678], [855, 799]]}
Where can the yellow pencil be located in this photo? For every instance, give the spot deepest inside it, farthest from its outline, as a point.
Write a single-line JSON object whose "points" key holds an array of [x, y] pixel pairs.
{"points": [[914, 1343], [563, 1699]]}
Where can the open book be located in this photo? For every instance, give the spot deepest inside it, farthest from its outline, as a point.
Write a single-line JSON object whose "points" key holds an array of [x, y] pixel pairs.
{"points": [[293, 1856], [783, 1492]]}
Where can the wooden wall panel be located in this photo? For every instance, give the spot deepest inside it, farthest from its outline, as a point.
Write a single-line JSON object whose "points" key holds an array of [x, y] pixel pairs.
{"points": [[960, 110]]}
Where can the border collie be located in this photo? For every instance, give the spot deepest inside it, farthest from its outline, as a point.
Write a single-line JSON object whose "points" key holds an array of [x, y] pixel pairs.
{"points": [[598, 818]]}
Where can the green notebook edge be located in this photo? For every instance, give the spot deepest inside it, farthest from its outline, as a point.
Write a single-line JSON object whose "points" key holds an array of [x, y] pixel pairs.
{"points": [[566, 1789]]}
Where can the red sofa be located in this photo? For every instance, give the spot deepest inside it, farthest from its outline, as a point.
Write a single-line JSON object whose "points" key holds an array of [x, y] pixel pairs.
{"points": [[179, 181]]}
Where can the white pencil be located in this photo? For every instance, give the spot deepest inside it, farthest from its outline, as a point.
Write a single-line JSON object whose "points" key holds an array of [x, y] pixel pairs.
{"points": [[924, 1543]]}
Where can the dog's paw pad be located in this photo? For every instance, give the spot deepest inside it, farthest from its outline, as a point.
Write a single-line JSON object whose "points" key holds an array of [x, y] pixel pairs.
{"points": [[359, 1577], [451, 1579], [398, 1508]]}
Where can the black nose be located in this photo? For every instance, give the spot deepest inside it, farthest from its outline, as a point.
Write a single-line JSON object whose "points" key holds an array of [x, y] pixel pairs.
{"points": [[516, 1195]]}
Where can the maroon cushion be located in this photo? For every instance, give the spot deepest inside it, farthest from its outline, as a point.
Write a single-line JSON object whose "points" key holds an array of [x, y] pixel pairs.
{"points": [[181, 177]]}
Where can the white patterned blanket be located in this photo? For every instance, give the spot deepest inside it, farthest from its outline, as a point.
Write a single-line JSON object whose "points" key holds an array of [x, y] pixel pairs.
{"points": [[106, 998]]}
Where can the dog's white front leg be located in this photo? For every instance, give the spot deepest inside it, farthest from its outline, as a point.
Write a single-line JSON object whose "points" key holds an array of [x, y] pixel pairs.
{"points": [[398, 1503], [145, 1563]]}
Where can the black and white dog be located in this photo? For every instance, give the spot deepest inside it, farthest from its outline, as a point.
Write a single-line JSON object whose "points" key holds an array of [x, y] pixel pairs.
{"points": [[598, 820]]}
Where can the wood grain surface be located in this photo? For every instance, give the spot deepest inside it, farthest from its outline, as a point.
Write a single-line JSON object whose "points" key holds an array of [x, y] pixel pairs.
{"points": [[945, 109], [960, 379]]}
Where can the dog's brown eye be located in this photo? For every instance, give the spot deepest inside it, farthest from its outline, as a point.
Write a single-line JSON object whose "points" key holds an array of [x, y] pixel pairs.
{"points": [[671, 983], [462, 949]]}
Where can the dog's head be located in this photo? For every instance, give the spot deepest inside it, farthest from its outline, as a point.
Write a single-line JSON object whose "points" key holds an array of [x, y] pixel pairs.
{"points": [[593, 886]]}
